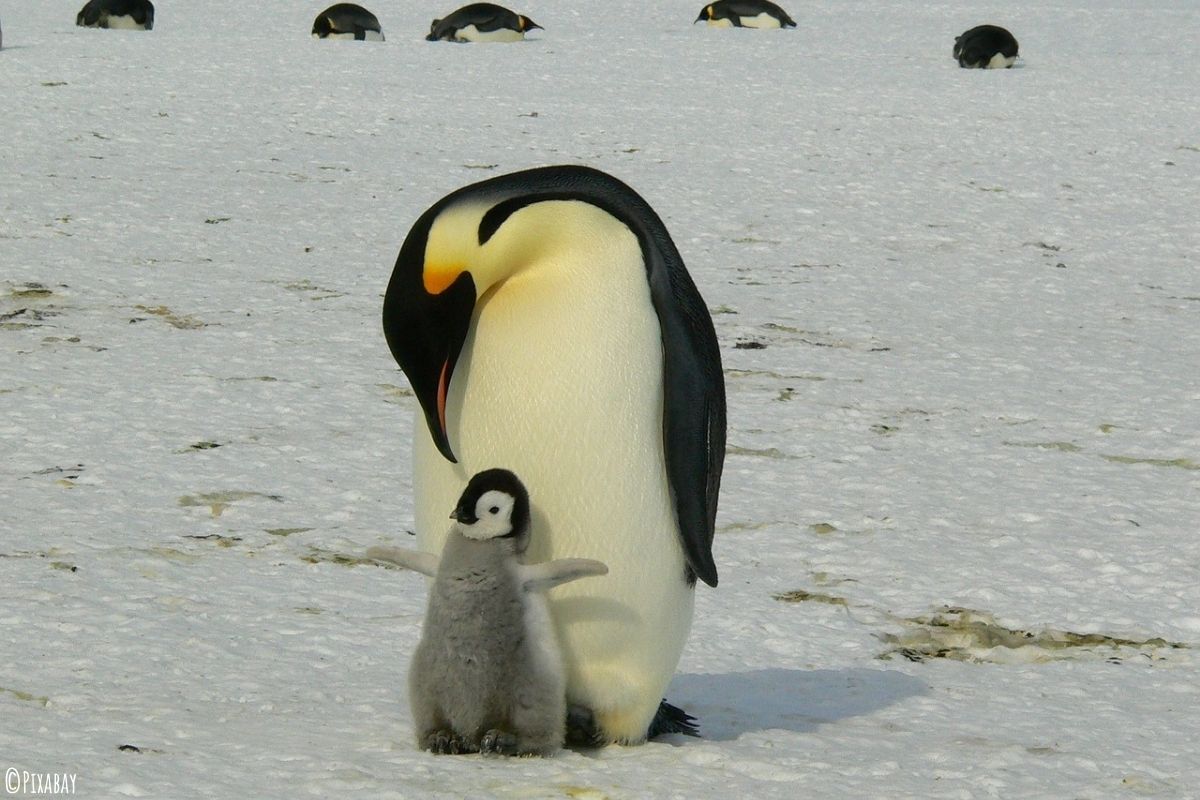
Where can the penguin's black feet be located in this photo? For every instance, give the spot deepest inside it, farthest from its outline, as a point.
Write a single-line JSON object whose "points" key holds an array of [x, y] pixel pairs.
{"points": [[584, 731], [447, 743], [670, 719], [582, 728], [498, 742]]}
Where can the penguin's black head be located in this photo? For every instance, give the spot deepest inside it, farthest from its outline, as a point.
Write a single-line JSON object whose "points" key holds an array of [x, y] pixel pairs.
{"points": [[495, 505], [458, 250], [426, 317], [525, 23], [705, 13]]}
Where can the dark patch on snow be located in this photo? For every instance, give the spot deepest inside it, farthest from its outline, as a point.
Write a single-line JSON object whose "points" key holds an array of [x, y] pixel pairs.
{"points": [[961, 634], [317, 555], [803, 596]]}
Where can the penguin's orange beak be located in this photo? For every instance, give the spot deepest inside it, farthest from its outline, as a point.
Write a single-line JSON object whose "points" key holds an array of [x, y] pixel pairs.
{"points": [[426, 318]]}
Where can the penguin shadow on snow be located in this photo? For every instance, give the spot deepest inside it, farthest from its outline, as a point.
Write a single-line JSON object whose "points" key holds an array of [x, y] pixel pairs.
{"points": [[731, 704]]}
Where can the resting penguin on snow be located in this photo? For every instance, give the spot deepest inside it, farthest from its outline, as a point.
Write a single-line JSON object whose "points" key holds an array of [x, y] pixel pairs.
{"points": [[134, 15], [347, 21], [481, 22], [488, 675], [985, 47], [546, 321], [745, 14]]}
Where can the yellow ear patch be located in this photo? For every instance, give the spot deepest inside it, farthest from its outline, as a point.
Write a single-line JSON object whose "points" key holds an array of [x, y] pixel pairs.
{"points": [[438, 277]]}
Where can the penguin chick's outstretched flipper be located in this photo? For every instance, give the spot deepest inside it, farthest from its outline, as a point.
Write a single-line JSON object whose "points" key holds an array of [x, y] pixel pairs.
{"points": [[416, 560], [542, 577]]}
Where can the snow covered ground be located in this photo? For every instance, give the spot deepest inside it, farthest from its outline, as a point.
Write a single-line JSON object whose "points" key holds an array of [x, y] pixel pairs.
{"points": [[959, 537]]}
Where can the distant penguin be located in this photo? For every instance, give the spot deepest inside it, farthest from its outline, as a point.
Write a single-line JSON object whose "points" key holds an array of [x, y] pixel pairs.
{"points": [[985, 47], [488, 675], [745, 14], [481, 22], [546, 321], [133, 15], [347, 21]]}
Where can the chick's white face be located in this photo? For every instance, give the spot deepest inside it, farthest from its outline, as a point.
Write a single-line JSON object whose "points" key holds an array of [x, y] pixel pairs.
{"points": [[493, 516]]}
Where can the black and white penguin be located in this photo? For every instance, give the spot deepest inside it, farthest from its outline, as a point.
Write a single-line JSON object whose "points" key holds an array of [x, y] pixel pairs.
{"points": [[481, 22], [134, 15], [546, 321], [347, 21], [745, 14], [985, 47], [487, 675]]}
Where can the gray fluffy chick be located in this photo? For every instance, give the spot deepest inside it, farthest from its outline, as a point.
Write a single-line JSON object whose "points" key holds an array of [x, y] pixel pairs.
{"points": [[488, 675]]}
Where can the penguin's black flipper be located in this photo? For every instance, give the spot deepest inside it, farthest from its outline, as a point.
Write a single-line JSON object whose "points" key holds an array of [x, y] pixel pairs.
{"points": [[671, 719]]}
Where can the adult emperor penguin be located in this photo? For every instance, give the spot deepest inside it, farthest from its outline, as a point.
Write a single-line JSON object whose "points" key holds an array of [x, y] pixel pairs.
{"points": [[745, 14], [546, 321], [347, 21], [481, 22], [135, 15], [488, 673], [985, 47]]}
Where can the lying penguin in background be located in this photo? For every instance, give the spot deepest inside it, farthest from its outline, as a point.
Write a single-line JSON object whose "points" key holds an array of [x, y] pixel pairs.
{"points": [[985, 47], [488, 675], [481, 22], [133, 15], [745, 14], [347, 21]]}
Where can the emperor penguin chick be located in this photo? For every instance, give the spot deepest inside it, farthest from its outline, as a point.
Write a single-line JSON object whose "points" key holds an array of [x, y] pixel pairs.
{"points": [[488, 675]]}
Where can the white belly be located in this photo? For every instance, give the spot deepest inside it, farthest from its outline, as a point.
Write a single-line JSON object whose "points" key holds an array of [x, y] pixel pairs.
{"points": [[369, 36], [1000, 61], [763, 20], [561, 382], [470, 33], [124, 23]]}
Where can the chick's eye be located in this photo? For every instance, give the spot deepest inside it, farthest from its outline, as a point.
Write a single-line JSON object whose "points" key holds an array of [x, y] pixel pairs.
{"points": [[494, 510]]}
